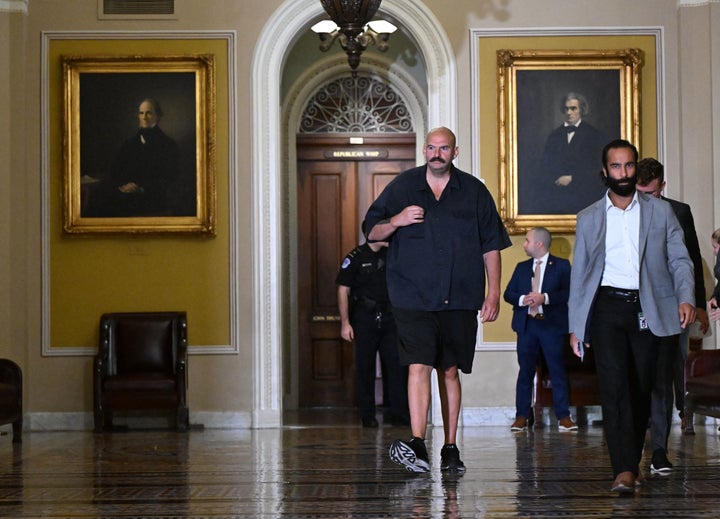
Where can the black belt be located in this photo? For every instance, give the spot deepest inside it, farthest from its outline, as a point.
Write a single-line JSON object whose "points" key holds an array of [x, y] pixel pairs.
{"points": [[623, 294], [539, 317], [371, 304]]}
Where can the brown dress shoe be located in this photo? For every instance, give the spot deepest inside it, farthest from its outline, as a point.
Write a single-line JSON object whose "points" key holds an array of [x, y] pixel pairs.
{"points": [[624, 483], [520, 424], [566, 424]]}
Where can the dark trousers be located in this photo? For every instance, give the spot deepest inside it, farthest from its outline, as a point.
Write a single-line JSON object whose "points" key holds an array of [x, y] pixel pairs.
{"points": [[625, 359], [373, 336], [662, 392], [529, 344]]}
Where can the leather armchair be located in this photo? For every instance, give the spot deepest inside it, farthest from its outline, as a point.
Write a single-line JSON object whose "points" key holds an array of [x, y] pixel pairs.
{"points": [[582, 382], [141, 365], [11, 410], [702, 386]]}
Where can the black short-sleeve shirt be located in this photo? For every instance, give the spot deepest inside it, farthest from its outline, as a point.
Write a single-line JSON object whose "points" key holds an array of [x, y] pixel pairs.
{"points": [[438, 264]]}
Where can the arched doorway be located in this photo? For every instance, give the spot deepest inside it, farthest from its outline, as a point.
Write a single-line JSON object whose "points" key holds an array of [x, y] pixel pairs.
{"points": [[355, 134], [269, 242]]}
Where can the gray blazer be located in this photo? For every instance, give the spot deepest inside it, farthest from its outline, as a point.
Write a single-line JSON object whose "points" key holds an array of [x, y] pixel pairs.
{"points": [[666, 271]]}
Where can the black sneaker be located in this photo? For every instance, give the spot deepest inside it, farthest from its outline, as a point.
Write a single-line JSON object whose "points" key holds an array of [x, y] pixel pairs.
{"points": [[412, 455], [450, 459], [660, 463]]}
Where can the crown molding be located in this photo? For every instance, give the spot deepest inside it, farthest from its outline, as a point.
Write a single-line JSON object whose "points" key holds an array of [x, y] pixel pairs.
{"points": [[14, 6], [696, 3]]}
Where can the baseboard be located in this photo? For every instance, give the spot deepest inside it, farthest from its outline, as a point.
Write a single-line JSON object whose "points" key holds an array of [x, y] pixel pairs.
{"points": [[84, 421]]}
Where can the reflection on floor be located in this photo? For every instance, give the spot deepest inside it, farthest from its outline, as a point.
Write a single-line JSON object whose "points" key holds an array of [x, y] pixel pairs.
{"points": [[323, 464]]}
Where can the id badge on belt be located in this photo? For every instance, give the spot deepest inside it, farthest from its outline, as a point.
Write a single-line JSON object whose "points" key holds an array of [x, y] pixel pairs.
{"points": [[642, 322]]}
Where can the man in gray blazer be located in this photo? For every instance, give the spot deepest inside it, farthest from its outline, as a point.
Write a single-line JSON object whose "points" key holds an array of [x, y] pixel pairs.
{"points": [[631, 283]]}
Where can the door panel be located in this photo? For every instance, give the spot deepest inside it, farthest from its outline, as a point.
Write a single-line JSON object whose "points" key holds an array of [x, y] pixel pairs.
{"points": [[326, 360], [372, 179], [333, 196]]}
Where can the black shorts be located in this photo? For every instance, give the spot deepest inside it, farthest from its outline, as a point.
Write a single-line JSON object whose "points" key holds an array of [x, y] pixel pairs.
{"points": [[440, 339]]}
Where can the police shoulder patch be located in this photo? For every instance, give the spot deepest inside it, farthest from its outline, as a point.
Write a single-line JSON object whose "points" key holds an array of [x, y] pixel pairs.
{"points": [[345, 263]]}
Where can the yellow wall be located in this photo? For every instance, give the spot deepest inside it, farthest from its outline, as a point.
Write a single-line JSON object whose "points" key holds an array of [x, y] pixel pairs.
{"points": [[93, 273], [224, 383], [500, 330]]}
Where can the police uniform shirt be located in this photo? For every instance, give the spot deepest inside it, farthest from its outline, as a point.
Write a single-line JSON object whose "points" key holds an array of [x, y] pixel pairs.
{"points": [[364, 272]]}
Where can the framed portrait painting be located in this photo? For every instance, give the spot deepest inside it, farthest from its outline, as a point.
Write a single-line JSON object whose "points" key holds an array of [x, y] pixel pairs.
{"points": [[139, 134], [556, 111]]}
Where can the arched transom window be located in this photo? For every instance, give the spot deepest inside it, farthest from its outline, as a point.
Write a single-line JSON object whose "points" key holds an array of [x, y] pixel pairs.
{"points": [[356, 104]]}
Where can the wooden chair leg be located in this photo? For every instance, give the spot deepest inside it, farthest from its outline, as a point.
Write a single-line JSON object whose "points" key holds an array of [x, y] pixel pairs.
{"points": [[537, 418], [689, 422], [182, 419], [17, 430], [98, 420]]}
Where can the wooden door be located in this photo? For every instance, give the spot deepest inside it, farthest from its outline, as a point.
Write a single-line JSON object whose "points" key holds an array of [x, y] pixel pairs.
{"points": [[336, 182]]}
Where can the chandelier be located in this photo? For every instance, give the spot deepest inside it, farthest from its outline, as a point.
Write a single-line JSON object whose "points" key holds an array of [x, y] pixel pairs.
{"points": [[350, 25]]}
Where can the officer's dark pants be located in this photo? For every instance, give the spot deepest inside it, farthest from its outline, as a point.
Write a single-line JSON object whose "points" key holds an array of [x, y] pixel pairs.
{"points": [[373, 336]]}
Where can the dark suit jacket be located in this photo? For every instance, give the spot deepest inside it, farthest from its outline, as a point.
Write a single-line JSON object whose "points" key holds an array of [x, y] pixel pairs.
{"points": [[556, 284], [685, 217]]}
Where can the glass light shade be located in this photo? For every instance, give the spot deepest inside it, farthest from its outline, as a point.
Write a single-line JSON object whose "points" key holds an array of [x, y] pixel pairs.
{"points": [[324, 26], [382, 27]]}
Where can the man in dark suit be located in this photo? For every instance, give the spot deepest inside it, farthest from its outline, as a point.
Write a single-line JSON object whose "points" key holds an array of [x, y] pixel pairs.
{"points": [[673, 351], [570, 162], [632, 282], [145, 171], [538, 291]]}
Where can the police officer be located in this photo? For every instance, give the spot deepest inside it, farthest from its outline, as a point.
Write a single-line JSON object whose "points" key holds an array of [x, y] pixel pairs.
{"points": [[366, 318]]}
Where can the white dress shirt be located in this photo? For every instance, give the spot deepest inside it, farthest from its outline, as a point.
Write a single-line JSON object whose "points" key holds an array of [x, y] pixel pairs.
{"points": [[622, 237], [543, 264]]}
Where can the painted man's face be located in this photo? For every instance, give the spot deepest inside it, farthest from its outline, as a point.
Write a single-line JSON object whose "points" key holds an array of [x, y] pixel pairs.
{"points": [[147, 117], [572, 111]]}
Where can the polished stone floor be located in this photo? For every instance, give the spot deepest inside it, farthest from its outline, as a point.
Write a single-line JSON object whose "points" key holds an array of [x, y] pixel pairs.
{"points": [[325, 465]]}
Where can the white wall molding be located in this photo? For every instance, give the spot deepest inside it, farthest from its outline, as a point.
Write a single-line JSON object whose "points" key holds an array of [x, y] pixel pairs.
{"points": [[696, 3], [47, 38], [84, 421], [14, 6], [476, 34]]}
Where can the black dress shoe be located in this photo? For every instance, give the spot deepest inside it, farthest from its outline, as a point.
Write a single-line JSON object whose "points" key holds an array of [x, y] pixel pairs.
{"points": [[370, 421]]}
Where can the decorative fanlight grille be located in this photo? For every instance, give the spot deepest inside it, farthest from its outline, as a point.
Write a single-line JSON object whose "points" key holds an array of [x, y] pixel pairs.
{"points": [[356, 104]]}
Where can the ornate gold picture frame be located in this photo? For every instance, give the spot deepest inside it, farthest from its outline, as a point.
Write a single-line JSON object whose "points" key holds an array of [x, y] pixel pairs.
{"points": [[139, 144], [547, 175]]}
